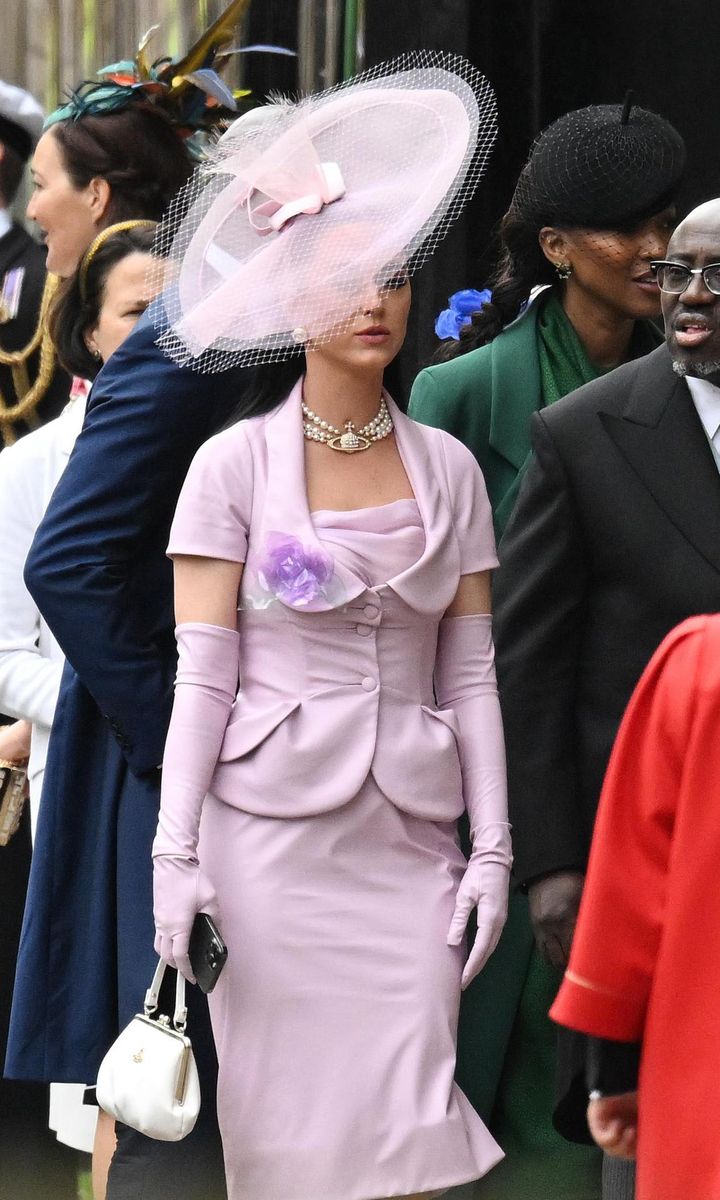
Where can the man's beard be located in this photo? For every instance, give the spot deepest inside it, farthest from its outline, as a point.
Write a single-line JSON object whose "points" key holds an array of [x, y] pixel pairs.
{"points": [[699, 368]]}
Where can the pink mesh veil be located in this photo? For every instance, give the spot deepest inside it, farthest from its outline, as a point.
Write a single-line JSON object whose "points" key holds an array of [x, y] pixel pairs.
{"points": [[304, 207]]}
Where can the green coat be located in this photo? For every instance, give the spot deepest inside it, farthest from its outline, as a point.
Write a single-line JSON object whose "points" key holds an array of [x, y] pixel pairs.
{"points": [[486, 399]]}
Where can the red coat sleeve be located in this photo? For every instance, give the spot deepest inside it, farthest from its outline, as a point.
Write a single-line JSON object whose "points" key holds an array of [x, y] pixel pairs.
{"points": [[606, 986]]}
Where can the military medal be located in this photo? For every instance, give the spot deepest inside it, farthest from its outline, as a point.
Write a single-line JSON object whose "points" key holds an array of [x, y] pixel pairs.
{"points": [[10, 294]]}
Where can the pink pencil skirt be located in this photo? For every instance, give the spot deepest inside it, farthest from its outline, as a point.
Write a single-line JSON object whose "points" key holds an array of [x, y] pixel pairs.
{"points": [[335, 1017]]}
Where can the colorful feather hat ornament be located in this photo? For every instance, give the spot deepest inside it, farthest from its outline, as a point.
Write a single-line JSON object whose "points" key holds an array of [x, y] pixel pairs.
{"points": [[190, 90]]}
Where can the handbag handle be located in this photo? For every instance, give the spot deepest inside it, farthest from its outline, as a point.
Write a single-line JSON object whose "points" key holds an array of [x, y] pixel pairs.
{"points": [[153, 992]]}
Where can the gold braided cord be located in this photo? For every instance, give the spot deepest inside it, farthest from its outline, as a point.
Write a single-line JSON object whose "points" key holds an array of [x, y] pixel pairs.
{"points": [[10, 358], [17, 360]]}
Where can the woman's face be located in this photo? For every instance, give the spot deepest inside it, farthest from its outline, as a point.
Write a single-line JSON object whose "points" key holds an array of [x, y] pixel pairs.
{"points": [[611, 268], [69, 217], [377, 332], [126, 295]]}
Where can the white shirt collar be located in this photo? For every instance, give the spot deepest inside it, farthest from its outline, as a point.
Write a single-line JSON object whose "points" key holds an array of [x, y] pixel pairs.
{"points": [[706, 398], [5, 222]]}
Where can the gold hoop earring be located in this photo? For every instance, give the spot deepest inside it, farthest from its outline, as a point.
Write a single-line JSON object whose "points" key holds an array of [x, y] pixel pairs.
{"points": [[563, 270]]}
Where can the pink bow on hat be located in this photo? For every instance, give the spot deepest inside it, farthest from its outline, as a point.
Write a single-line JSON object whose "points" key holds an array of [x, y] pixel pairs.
{"points": [[325, 185], [289, 181]]}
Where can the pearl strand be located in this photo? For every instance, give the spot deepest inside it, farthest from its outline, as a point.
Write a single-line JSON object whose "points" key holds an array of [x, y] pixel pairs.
{"points": [[348, 440]]}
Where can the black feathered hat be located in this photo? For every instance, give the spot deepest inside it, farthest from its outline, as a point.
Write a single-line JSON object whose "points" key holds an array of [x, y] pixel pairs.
{"points": [[607, 166]]}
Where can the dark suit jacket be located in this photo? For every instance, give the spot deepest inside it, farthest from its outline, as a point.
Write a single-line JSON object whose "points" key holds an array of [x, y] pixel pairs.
{"points": [[615, 539], [18, 249], [99, 574]]}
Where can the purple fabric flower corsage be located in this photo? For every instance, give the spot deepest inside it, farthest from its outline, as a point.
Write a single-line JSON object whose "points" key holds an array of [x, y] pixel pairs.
{"points": [[462, 306], [295, 574]]}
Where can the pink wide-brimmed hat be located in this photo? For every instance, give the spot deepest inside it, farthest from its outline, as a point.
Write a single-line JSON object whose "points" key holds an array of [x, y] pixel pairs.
{"points": [[306, 208]]}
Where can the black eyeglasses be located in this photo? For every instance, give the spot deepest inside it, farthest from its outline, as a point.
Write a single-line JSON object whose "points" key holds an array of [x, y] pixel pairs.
{"points": [[676, 277]]}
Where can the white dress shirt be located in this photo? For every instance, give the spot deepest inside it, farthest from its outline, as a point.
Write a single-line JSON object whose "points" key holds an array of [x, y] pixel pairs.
{"points": [[706, 398]]}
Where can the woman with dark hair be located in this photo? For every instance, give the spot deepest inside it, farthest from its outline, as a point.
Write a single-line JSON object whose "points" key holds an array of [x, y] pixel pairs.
{"points": [[573, 296], [91, 317], [594, 204], [97, 307], [123, 145], [98, 169]]}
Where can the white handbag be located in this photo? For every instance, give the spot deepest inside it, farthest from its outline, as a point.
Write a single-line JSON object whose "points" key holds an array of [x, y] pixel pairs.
{"points": [[148, 1078]]}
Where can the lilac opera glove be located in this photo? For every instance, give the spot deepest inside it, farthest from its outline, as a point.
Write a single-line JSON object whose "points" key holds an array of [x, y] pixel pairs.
{"points": [[180, 890], [205, 689], [465, 682]]}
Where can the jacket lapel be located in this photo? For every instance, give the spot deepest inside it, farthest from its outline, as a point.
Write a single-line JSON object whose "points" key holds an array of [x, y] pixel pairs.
{"points": [[515, 386], [286, 514], [285, 511], [423, 584], [661, 437]]}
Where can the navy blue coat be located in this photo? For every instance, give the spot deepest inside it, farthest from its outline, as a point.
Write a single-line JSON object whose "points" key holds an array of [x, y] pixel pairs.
{"points": [[98, 573]]}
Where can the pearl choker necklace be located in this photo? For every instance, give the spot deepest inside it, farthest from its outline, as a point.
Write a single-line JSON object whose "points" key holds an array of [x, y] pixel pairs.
{"points": [[349, 440]]}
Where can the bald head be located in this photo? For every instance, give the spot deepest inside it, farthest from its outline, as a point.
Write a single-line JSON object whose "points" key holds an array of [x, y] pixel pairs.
{"points": [[705, 219]]}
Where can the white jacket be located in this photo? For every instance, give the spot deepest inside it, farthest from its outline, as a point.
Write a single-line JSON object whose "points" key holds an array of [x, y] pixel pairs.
{"points": [[31, 661]]}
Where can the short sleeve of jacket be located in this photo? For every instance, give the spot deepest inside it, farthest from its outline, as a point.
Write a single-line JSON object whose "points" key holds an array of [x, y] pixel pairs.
{"points": [[212, 517], [472, 514]]}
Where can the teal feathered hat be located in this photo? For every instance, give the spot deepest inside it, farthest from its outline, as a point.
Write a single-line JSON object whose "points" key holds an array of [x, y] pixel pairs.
{"points": [[189, 90]]}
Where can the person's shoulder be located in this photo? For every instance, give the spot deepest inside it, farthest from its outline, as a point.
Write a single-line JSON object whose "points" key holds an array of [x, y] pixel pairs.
{"points": [[222, 471], [29, 452], [25, 245], [449, 382], [30, 468], [468, 377], [140, 343], [452, 394], [139, 377], [142, 350], [692, 630], [234, 445], [458, 460], [683, 675], [700, 636]]}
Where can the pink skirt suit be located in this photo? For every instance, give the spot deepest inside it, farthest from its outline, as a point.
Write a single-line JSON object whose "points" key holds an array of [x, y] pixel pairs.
{"points": [[330, 831]]}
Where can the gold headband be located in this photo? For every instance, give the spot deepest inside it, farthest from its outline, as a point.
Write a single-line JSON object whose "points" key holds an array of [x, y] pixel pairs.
{"points": [[100, 240]]}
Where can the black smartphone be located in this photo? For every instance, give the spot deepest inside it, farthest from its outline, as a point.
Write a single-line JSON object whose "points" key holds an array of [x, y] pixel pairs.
{"points": [[208, 952]]}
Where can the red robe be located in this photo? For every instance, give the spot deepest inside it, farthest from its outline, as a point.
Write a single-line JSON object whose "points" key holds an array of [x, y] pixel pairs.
{"points": [[645, 961]]}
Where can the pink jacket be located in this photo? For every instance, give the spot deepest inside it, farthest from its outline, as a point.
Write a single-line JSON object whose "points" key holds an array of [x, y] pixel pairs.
{"points": [[336, 678]]}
